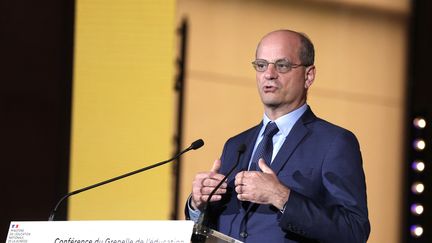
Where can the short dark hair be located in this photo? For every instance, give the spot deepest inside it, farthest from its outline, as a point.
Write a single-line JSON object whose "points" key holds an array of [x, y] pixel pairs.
{"points": [[307, 50]]}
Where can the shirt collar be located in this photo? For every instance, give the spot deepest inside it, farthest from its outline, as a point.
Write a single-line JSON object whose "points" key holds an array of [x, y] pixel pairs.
{"points": [[285, 122]]}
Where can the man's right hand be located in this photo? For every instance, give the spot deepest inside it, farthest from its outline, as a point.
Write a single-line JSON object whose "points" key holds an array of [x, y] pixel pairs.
{"points": [[203, 185]]}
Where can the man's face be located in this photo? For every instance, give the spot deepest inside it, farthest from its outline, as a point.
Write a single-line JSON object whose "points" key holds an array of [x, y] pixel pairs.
{"points": [[282, 91]]}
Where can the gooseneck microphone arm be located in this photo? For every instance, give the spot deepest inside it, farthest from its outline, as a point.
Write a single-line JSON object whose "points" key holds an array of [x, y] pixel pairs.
{"points": [[195, 145], [240, 151], [201, 227]]}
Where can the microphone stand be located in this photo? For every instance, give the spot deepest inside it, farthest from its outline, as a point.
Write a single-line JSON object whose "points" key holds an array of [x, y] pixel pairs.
{"points": [[201, 229], [195, 145]]}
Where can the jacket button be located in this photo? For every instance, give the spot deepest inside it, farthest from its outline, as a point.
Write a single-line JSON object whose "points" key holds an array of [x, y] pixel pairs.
{"points": [[243, 234]]}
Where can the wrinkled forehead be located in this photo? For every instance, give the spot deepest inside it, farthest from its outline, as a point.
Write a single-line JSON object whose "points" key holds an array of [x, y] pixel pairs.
{"points": [[279, 45]]}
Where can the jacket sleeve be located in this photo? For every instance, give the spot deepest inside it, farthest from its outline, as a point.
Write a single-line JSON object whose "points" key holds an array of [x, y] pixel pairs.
{"points": [[342, 214]]}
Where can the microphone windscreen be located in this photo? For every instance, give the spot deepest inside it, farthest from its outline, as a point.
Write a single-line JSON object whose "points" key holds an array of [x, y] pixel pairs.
{"points": [[197, 144], [241, 148]]}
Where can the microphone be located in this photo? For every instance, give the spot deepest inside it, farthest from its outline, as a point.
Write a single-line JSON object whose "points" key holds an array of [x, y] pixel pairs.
{"points": [[201, 227], [194, 146]]}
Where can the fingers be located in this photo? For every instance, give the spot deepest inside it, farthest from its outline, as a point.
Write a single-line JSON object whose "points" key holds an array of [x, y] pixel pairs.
{"points": [[213, 182], [246, 177], [207, 190], [255, 186], [216, 166], [264, 167], [240, 189], [205, 182], [241, 179], [244, 194], [214, 198]]}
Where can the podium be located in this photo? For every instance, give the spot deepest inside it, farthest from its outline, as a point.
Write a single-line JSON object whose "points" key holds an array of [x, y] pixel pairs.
{"points": [[129, 231]]}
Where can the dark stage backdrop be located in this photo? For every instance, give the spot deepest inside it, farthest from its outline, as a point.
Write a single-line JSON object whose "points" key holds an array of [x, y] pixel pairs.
{"points": [[419, 104], [36, 46]]}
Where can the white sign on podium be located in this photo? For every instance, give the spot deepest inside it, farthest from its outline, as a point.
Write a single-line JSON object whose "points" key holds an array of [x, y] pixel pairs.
{"points": [[175, 231]]}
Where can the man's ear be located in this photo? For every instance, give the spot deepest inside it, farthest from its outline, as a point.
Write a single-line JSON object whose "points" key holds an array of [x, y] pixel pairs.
{"points": [[309, 76]]}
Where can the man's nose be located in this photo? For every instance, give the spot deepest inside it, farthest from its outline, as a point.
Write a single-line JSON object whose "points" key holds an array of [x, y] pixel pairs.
{"points": [[271, 72]]}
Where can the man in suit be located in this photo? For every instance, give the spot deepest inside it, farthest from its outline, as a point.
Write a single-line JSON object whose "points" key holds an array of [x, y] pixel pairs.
{"points": [[300, 178]]}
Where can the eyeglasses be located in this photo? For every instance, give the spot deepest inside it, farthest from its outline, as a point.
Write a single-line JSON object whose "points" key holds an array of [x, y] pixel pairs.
{"points": [[281, 65]]}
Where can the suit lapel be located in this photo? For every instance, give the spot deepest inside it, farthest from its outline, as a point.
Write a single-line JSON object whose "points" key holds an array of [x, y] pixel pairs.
{"points": [[296, 135]]}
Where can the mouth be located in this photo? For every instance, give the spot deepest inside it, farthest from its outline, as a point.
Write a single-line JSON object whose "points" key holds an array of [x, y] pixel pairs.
{"points": [[269, 88]]}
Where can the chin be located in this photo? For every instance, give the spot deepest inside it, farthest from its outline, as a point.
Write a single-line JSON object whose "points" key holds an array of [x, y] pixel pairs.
{"points": [[271, 104]]}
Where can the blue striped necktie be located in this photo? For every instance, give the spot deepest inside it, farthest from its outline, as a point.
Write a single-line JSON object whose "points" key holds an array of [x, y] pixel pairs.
{"points": [[265, 147]]}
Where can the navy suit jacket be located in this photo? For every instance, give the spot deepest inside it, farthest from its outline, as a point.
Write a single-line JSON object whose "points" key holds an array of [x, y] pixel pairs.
{"points": [[321, 163]]}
